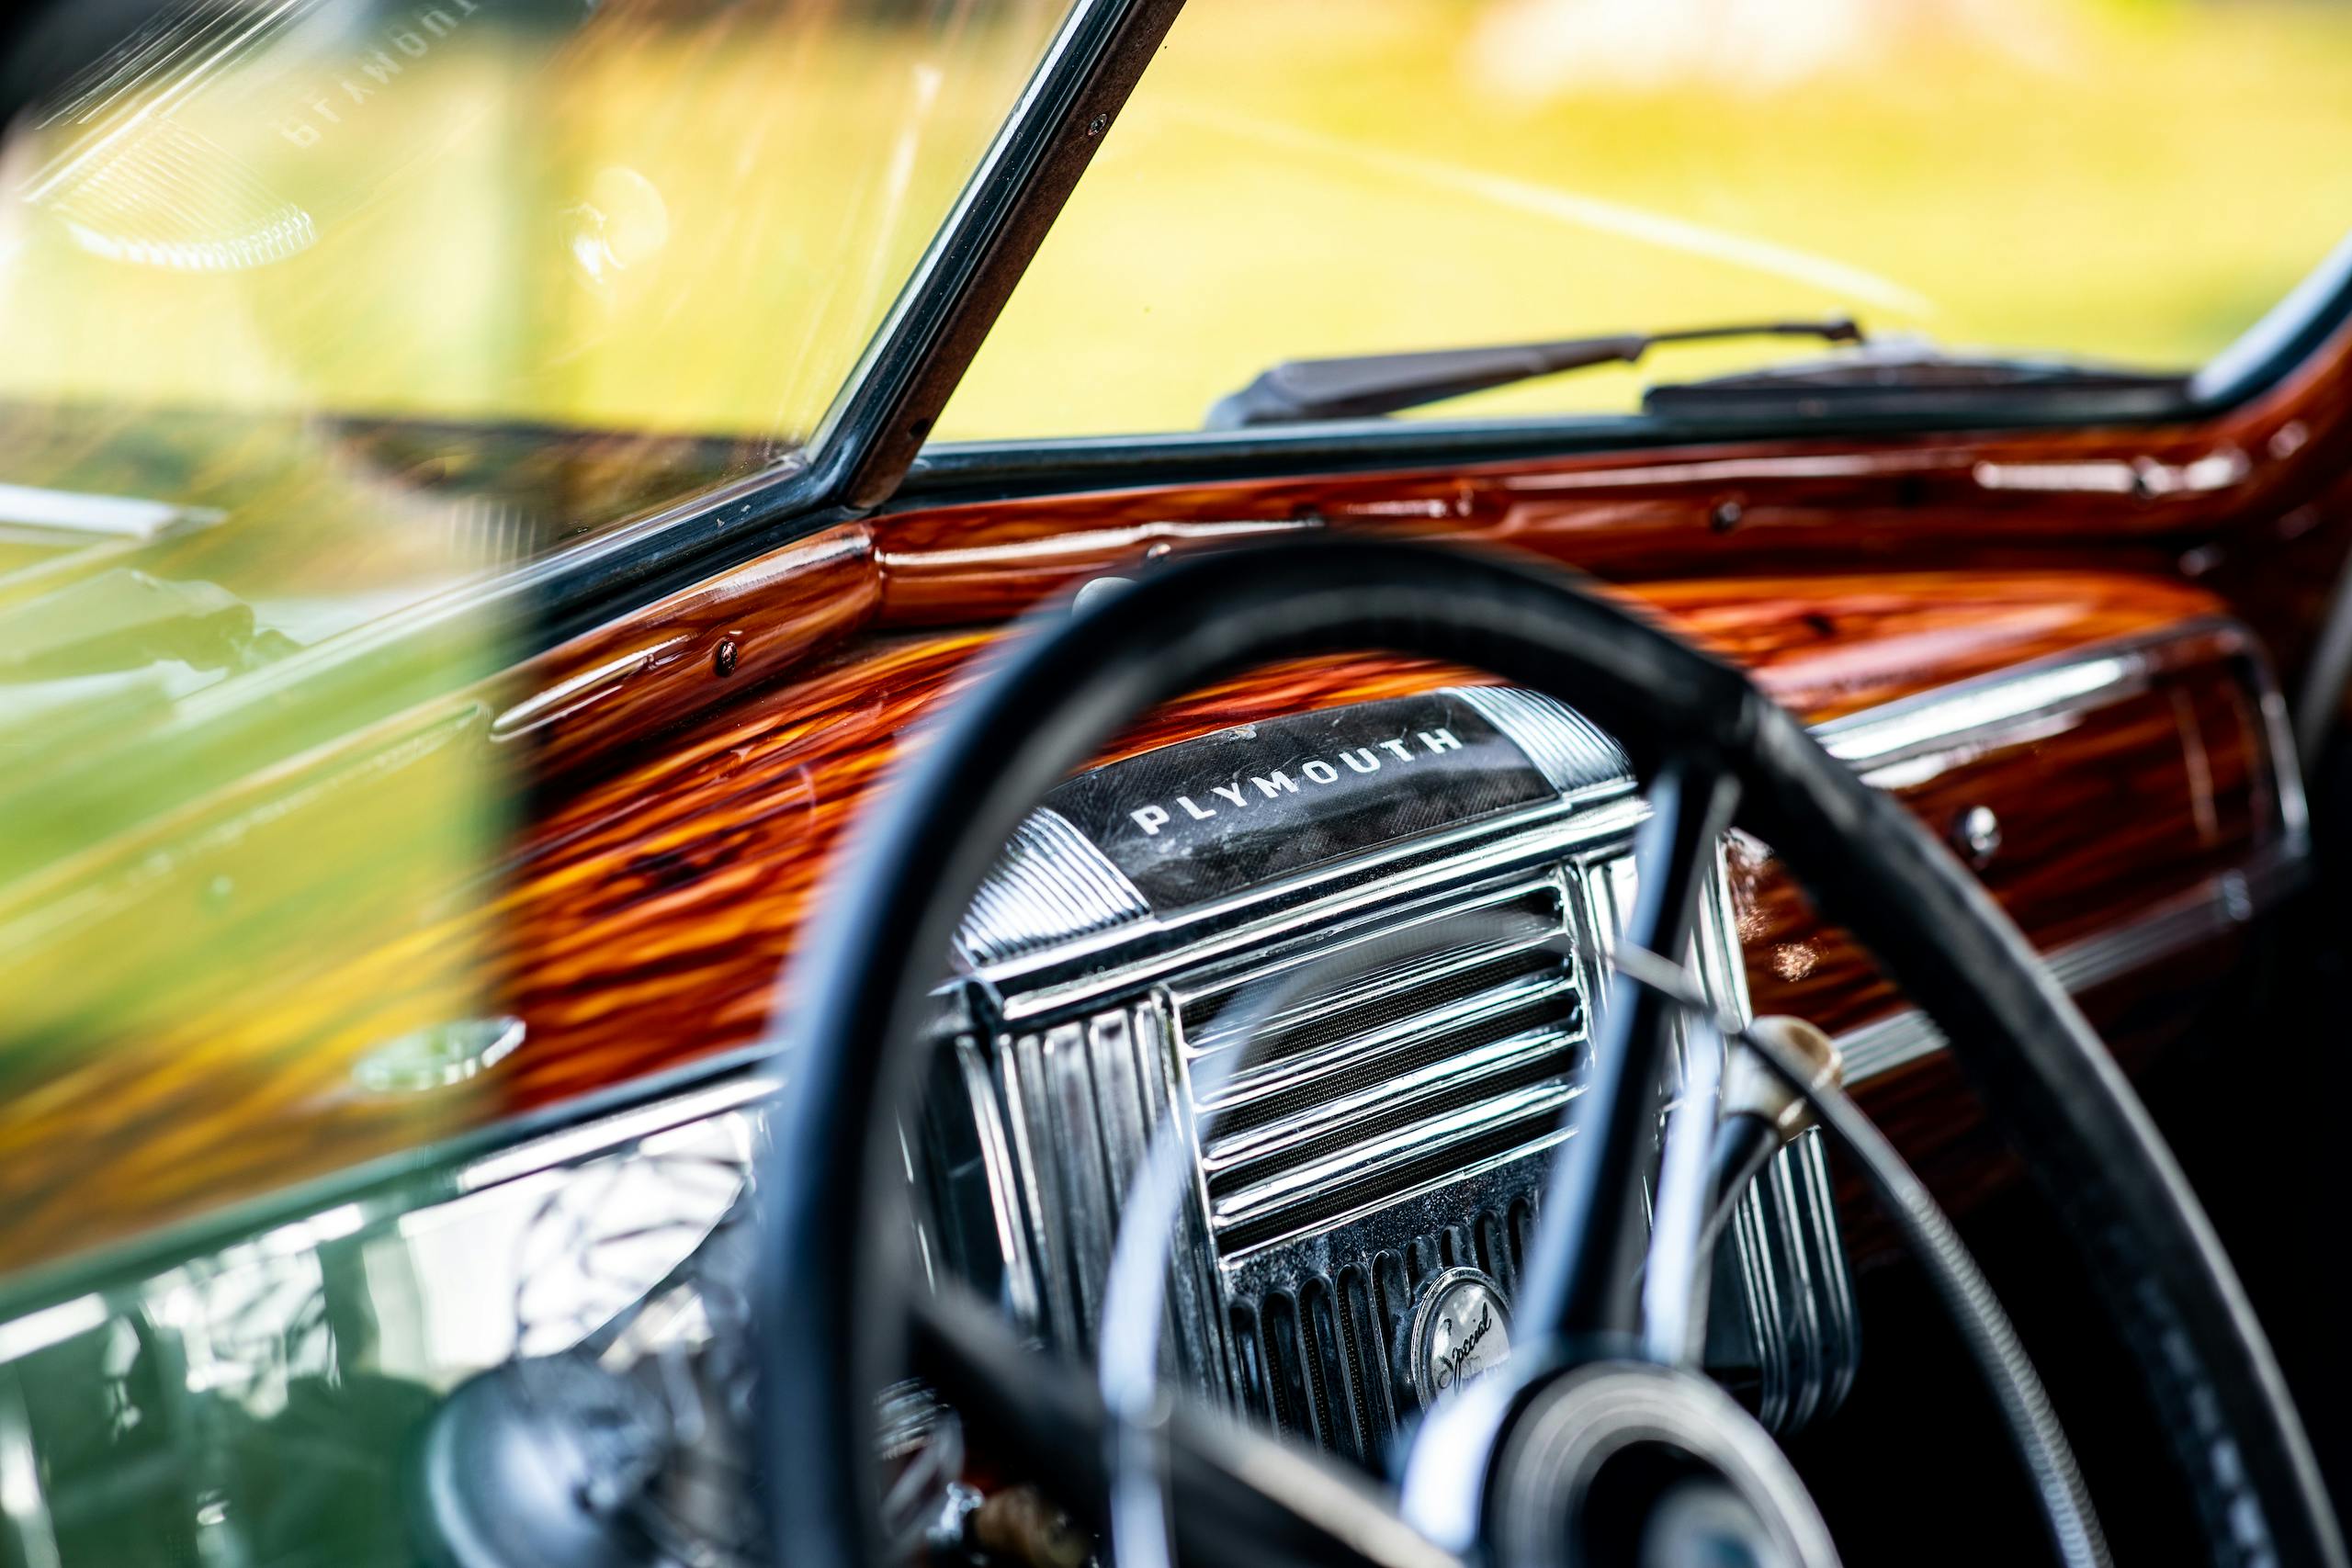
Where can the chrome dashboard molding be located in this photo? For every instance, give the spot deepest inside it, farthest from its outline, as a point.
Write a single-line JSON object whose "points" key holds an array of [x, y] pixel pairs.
{"points": [[2214, 907], [1933, 726], [1881, 741], [1570, 750], [1051, 885]]}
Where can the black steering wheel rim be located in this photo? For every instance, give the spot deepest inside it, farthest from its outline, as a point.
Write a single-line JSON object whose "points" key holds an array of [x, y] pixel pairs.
{"points": [[861, 990]]}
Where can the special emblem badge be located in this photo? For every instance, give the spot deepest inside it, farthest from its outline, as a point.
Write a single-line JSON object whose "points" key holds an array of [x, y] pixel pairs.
{"points": [[1460, 1329]]}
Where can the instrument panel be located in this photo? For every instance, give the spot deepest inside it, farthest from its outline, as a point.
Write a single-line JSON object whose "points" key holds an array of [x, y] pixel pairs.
{"points": [[2144, 804], [1349, 961]]}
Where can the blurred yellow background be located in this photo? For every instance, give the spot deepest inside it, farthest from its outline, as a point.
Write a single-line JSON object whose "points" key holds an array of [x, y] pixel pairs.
{"points": [[688, 218], [675, 216], [1311, 177]]}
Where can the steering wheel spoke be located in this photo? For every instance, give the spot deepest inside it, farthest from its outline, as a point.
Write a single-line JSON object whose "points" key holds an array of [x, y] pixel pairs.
{"points": [[1586, 1281], [1677, 1267], [1612, 1283], [1236, 1497]]}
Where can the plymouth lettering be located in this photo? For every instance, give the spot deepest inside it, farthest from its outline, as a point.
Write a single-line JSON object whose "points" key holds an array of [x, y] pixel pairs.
{"points": [[1316, 771]]}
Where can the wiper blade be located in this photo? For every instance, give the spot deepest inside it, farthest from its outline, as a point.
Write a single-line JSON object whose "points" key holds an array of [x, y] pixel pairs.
{"points": [[1361, 386], [1911, 378], [122, 620]]}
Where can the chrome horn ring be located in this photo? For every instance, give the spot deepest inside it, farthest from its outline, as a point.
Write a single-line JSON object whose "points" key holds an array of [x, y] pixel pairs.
{"points": [[1620, 1463], [1709, 746]]}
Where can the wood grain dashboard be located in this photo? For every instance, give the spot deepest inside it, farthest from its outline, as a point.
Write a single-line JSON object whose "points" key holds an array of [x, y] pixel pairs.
{"points": [[641, 918], [615, 843]]}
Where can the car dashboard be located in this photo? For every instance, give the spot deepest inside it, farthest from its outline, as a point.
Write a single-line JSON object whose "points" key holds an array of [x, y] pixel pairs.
{"points": [[1336, 935]]}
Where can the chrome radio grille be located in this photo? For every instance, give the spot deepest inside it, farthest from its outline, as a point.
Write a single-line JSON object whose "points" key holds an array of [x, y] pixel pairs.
{"points": [[1365, 1046], [1380, 1126], [1317, 1353], [1422, 1068]]}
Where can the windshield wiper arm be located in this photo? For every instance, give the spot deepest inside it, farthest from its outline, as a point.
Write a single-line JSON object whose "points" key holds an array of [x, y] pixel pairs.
{"points": [[1360, 385], [1898, 378]]}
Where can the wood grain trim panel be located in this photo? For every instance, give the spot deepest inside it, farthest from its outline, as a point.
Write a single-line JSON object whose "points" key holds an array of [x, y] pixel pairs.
{"points": [[2153, 784], [640, 918]]}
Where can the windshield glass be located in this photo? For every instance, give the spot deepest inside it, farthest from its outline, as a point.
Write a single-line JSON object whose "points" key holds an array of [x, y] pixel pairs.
{"points": [[2127, 180], [313, 314], [332, 302]]}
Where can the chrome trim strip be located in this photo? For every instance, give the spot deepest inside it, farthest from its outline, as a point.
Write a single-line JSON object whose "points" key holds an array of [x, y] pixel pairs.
{"points": [[2214, 907], [997, 1158], [2074, 681], [2286, 761], [1300, 1183], [1462, 1071], [1232, 1259], [574, 692], [1905, 730], [2329, 670], [1487, 905], [1062, 1066], [634, 1126], [1567, 748], [1365, 1052], [1051, 884]]}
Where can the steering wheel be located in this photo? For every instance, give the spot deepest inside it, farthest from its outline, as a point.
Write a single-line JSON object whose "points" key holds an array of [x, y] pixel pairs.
{"points": [[1589, 1376]]}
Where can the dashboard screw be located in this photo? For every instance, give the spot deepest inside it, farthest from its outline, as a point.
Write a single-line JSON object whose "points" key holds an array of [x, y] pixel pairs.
{"points": [[723, 659], [1726, 516], [1976, 834]]}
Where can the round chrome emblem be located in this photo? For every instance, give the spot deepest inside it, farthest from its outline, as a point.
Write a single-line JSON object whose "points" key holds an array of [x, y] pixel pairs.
{"points": [[1460, 1329]]}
